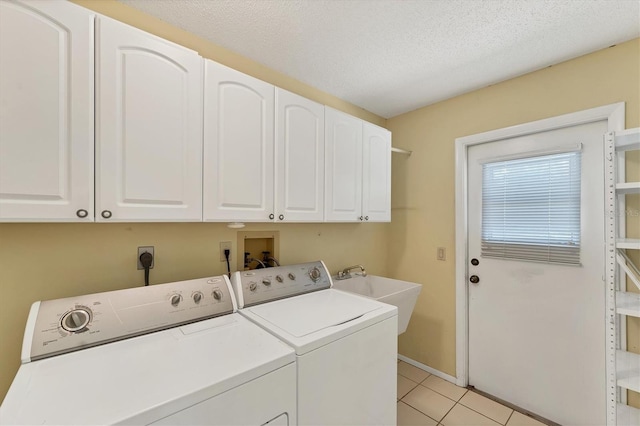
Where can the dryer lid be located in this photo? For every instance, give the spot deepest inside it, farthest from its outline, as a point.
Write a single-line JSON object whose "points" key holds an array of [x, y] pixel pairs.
{"points": [[306, 314]]}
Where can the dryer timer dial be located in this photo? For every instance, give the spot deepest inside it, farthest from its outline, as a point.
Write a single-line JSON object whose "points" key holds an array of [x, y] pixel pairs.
{"points": [[314, 274]]}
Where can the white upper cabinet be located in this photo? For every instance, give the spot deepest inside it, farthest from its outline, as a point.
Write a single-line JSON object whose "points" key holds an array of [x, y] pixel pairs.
{"points": [[238, 146], [343, 167], [149, 127], [376, 173], [299, 159], [357, 171], [46, 112]]}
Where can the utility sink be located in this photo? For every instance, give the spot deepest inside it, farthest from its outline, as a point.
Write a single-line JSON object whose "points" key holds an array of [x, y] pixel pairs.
{"points": [[402, 294]]}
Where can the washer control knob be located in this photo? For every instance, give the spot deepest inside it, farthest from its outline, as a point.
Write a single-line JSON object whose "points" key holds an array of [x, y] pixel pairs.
{"points": [[217, 294], [266, 281], [314, 274], [291, 276], [197, 297], [253, 286], [175, 300], [279, 278], [75, 320]]}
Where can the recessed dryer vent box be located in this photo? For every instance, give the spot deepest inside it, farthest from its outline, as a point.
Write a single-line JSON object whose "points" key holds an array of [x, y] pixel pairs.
{"points": [[255, 243]]}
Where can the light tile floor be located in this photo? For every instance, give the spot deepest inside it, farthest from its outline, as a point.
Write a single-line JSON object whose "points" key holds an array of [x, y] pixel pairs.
{"points": [[428, 400]]}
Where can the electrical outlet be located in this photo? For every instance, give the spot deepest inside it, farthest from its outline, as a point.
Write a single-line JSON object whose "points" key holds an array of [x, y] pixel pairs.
{"points": [[442, 253], [142, 250], [225, 245]]}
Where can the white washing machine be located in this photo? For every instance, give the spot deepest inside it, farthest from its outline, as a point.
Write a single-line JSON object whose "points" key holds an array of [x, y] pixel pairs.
{"points": [[346, 345], [173, 353]]}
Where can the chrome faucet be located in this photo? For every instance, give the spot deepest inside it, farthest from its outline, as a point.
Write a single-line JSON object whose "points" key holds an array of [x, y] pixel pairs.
{"points": [[346, 272]]}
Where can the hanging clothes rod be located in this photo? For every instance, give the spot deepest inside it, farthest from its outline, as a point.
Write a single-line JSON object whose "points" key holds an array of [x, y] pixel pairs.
{"points": [[401, 151]]}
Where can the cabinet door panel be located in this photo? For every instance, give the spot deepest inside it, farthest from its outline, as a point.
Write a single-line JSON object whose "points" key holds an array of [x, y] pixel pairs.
{"points": [[299, 158], [150, 127], [376, 174], [238, 146], [343, 170], [46, 111]]}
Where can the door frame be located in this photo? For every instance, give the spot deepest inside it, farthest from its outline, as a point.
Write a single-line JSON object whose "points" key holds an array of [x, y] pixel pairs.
{"points": [[615, 116]]}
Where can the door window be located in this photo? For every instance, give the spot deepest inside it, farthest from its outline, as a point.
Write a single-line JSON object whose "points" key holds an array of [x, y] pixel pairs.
{"points": [[531, 209]]}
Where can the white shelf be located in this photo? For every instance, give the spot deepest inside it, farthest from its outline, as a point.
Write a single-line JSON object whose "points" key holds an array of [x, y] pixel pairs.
{"points": [[628, 140], [628, 370], [628, 243], [628, 188], [628, 303], [628, 267], [627, 415]]}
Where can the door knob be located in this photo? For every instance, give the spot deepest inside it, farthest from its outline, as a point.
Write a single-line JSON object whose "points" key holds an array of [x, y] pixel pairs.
{"points": [[475, 262], [271, 216], [474, 279]]}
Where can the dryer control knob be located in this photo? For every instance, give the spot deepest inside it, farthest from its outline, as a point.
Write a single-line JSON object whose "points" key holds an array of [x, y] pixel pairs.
{"points": [[291, 276], [266, 281], [197, 297], [175, 300], [253, 286], [217, 294], [279, 278], [75, 320], [314, 274]]}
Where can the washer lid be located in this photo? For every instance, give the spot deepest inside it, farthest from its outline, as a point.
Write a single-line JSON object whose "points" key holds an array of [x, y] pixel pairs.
{"points": [[146, 378], [306, 314]]}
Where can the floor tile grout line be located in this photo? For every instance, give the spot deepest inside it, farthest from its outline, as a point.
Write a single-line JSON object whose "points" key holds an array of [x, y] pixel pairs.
{"points": [[419, 411], [457, 403], [511, 415], [441, 394], [409, 378], [424, 414], [484, 415], [417, 384], [454, 405]]}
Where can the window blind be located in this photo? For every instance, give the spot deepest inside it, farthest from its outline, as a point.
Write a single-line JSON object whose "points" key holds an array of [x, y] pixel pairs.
{"points": [[531, 209]]}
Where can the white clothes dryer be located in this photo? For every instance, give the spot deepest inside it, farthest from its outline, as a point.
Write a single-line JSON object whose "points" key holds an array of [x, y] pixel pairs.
{"points": [[346, 345], [172, 353]]}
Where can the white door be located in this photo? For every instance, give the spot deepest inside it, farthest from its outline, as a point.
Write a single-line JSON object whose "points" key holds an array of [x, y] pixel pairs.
{"points": [[299, 154], [376, 173], [238, 146], [536, 330], [46, 112], [149, 127], [343, 167]]}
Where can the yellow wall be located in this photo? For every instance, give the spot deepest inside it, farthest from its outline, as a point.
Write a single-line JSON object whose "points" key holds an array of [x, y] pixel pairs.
{"points": [[49, 261], [423, 208]]}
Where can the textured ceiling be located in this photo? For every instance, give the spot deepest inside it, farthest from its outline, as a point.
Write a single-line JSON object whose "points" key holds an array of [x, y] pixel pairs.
{"points": [[393, 56]]}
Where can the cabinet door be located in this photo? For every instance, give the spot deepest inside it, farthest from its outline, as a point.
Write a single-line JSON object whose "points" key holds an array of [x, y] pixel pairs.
{"points": [[149, 138], [376, 174], [238, 146], [46, 112], [299, 154], [343, 167]]}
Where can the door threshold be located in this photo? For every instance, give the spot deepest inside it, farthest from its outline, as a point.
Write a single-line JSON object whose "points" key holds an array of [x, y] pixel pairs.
{"points": [[514, 407]]}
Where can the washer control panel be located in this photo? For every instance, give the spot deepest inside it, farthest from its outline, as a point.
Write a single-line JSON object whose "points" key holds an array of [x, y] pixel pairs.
{"points": [[264, 285], [65, 325]]}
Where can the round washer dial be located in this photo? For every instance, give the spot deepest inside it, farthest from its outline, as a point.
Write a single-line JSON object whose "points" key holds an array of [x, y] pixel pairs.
{"points": [[75, 320]]}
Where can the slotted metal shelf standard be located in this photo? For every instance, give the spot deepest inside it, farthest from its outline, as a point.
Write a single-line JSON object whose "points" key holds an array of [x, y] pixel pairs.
{"points": [[623, 367]]}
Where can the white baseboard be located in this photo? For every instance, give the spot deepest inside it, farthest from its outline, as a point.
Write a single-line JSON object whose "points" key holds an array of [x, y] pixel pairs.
{"points": [[428, 369]]}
